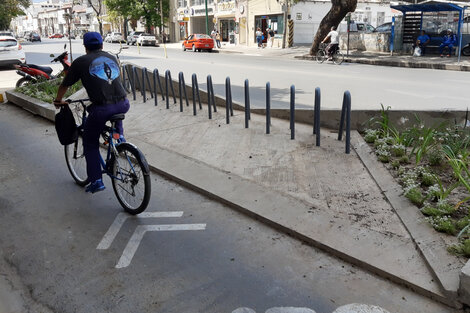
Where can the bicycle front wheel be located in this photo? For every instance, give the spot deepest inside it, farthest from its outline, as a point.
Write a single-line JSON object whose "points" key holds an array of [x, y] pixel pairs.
{"points": [[321, 56], [75, 159], [338, 58], [131, 178]]}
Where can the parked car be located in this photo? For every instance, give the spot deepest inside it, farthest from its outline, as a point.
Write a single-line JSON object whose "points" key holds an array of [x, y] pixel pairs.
{"points": [[146, 39], [198, 42], [32, 36], [361, 27], [6, 33], [113, 37], [56, 36], [11, 51], [384, 28], [131, 39]]}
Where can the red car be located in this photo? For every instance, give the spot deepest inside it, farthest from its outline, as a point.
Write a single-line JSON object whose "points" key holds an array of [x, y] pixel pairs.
{"points": [[56, 36], [198, 42]]}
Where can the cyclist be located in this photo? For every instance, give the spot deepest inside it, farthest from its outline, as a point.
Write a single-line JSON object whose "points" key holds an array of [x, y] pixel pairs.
{"points": [[100, 75], [334, 42]]}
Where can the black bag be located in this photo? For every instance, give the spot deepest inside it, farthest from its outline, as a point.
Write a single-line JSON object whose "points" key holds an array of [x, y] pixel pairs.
{"points": [[65, 126]]}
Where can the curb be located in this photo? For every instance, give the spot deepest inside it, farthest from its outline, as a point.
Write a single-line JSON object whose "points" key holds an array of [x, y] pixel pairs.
{"points": [[443, 265], [396, 63]]}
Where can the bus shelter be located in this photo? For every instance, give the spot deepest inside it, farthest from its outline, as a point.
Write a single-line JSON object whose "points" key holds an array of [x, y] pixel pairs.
{"points": [[433, 16]]}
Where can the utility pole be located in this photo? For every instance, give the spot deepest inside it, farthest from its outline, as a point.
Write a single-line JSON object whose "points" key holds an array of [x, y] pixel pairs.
{"points": [[207, 19], [161, 17], [284, 33]]}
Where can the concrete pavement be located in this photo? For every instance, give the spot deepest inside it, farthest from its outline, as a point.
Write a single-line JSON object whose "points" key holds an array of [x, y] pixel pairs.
{"points": [[318, 194]]}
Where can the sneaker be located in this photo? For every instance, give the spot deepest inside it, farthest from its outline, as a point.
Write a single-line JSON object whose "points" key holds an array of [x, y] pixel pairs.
{"points": [[121, 139], [442, 55], [95, 186], [448, 55]]}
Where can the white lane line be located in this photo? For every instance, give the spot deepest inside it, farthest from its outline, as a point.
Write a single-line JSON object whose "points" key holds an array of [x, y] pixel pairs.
{"points": [[113, 230], [139, 233]]}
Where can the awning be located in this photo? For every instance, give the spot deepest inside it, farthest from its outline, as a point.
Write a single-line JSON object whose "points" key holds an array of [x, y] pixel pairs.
{"points": [[428, 6]]}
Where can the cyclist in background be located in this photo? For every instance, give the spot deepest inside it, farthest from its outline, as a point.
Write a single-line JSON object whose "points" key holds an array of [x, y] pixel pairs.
{"points": [[333, 35], [100, 75]]}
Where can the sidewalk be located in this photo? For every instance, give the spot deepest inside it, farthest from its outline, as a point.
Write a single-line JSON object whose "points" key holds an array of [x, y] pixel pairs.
{"points": [[329, 199], [363, 57]]}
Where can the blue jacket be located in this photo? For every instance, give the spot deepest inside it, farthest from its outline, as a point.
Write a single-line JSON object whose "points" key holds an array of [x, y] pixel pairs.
{"points": [[449, 39]]}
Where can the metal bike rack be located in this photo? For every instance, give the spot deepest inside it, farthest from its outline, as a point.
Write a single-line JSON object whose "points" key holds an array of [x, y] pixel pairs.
{"points": [[346, 113], [182, 89], [195, 88], [292, 112], [316, 117], [268, 108], [228, 100], [247, 103], [156, 79], [169, 81]]}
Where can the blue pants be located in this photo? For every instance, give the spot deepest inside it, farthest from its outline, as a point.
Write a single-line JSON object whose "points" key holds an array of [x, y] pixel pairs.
{"points": [[94, 126], [443, 45]]}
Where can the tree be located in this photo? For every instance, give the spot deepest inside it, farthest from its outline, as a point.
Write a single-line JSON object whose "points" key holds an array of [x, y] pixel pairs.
{"points": [[339, 9], [10, 9], [97, 6], [146, 10]]}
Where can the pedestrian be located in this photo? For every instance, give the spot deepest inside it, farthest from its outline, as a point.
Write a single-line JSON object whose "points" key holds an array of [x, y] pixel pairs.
{"points": [[449, 41], [213, 35], [421, 42], [259, 37], [99, 72], [270, 37], [217, 39], [334, 42]]}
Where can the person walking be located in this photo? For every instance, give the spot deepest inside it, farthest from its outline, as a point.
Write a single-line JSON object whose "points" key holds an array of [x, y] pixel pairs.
{"points": [[259, 37], [217, 39], [100, 74], [270, 37]]}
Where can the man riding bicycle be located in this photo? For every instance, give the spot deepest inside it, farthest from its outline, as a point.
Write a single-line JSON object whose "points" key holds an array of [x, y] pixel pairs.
{"points": [[333, 35], [100, 75]]}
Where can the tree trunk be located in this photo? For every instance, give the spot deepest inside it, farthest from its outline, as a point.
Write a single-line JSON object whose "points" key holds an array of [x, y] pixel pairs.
{"points": [[339, 9]]}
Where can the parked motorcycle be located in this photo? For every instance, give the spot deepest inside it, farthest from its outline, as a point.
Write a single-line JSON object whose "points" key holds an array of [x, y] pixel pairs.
{"points": [[466, 50], [32, 73]]}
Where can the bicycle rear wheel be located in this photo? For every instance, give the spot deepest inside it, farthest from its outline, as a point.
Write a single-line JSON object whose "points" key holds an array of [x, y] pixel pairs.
{"points": [[321, 56], [75, 159], [338, 58], [131, 178]]}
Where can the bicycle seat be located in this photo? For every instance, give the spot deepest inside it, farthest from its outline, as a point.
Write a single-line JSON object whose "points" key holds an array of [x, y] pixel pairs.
{"points": [[117, 117], [45, 69]]}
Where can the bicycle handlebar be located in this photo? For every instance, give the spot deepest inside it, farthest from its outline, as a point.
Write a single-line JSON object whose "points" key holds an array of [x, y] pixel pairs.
{"points": [[70, 101]]}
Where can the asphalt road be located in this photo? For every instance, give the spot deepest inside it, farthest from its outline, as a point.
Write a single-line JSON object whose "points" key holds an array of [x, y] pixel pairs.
{"points": [[50, 230], [370, 86]]}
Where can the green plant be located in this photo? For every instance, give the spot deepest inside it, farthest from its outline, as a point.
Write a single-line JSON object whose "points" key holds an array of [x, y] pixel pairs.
{"points": [[46, 91], [398, 150], [431, 211], [436, 156], [415, 196], [443, 224], [462, 248], [427, 179], [404, 159], [370, 135], [395, 164]]}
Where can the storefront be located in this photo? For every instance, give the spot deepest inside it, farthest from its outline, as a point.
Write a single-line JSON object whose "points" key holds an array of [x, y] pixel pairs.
{"points": [[275, 22], [226, 21], [183, 20], [198, 19]]}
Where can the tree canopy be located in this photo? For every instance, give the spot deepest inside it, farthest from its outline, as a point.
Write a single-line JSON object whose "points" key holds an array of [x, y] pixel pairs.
{"points": [[10, 9], [146, 10]]}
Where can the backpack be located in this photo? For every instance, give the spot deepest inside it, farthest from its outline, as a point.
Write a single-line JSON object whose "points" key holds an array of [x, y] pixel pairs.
{"points": [[65, 126]]}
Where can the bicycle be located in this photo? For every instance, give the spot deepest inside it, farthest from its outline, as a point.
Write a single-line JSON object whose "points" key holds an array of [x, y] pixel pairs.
{"points": [[124, 164], [322, 55]]}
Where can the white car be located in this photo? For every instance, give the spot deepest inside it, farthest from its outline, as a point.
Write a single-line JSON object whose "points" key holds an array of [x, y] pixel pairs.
{"points": [[11, 51], [146, 39], [113, 37]]}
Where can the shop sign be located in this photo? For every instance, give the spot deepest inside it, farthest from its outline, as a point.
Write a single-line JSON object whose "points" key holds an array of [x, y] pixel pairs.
{"points": [[202, 11], [226, 6]]}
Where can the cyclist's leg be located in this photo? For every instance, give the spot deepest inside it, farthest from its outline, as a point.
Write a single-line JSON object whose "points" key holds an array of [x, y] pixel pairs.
{"points": [[120, 107], [94, 126]]}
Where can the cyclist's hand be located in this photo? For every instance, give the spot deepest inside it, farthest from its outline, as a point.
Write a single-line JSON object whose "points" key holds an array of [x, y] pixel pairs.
{"points": [[59, 104]]}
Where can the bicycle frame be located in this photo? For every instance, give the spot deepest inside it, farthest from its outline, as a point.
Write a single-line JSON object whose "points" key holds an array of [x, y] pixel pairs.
{"points": [[108, 135]]}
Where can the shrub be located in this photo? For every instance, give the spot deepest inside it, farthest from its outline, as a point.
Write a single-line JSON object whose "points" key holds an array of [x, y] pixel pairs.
{"points": [[435, 157], [415, 196], [398, 150], [443, 224], [462, 248], [395, 164], [370, 135], [404, 159]]}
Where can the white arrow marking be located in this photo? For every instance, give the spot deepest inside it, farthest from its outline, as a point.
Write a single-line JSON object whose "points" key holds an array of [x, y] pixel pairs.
{"points": [[113, 230], [139, 233]]}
